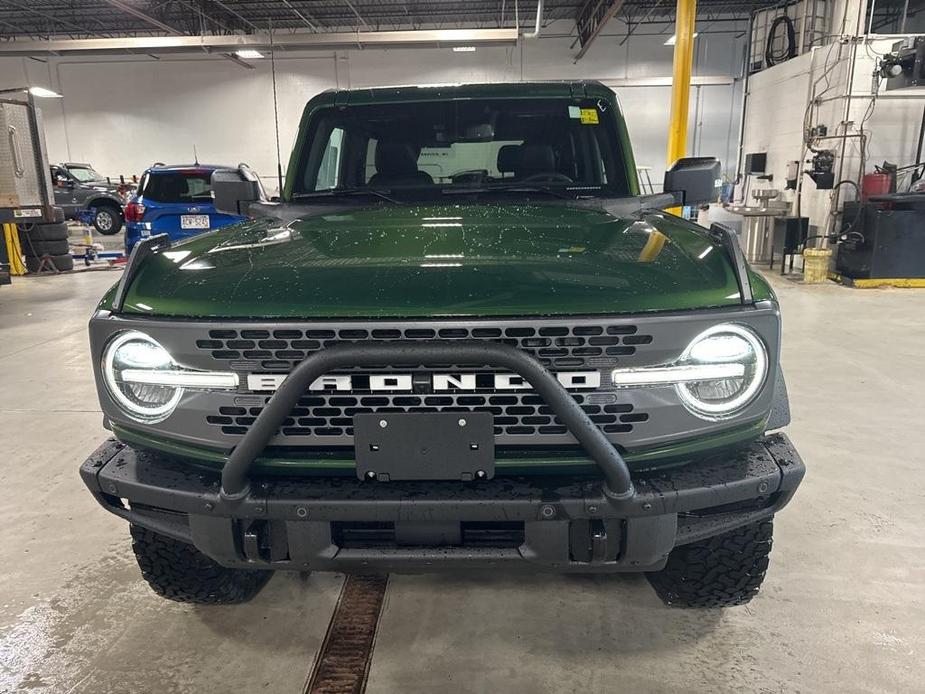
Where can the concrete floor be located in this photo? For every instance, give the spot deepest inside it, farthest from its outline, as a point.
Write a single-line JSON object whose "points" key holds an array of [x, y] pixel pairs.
{"points": [[843, 609]]}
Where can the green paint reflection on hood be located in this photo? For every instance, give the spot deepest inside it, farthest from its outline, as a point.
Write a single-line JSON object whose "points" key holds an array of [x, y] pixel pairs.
{"points": [[438, 260]]}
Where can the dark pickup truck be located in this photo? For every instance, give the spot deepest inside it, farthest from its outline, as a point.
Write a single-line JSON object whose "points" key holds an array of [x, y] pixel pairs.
{"points": [[83, 193]]}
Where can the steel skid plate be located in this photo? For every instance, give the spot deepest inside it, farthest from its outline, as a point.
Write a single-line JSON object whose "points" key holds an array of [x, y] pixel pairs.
{"points": [[425, 446]]}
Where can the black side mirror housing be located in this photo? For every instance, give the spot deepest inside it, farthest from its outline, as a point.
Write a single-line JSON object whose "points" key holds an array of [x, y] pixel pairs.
{"points": [[694, 180], [234, 190]]}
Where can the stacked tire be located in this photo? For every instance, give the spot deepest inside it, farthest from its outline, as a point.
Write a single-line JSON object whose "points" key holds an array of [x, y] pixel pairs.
{"points": [[49, 241]]}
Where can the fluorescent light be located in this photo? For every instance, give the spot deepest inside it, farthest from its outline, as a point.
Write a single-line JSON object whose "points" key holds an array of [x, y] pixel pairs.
{"points": [[464, 49], [41, 91], [674, 37], [248, 54]]}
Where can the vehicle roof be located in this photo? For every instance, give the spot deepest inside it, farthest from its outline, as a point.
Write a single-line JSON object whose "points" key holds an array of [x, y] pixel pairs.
{"points": [[188, 167], [552, 88], [76, 164]]}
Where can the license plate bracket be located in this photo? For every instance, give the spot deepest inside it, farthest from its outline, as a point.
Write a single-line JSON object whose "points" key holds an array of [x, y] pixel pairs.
{"points": [[425, 446]]}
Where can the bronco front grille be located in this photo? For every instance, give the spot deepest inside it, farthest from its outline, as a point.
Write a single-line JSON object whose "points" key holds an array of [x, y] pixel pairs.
{"points": [[521, 414], [559, 345], [520, 418]]}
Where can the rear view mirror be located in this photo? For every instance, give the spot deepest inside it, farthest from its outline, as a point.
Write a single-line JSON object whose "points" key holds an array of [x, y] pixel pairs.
{"points": [[480, 132], [233, 190], [694, 180]]}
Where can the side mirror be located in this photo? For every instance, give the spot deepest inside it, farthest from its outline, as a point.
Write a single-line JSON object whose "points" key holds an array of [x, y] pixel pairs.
{"points": [[233, 190], [694, 180]]}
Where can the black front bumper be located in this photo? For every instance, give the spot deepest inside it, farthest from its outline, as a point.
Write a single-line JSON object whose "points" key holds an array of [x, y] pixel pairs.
{"points": [[560, 523]]}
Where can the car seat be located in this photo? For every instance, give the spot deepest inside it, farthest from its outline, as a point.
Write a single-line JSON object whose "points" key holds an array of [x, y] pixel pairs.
{"points": [[397, 164]]}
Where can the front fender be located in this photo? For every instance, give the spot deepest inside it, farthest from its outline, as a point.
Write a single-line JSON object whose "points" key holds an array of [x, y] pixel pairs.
{"points": [[98, 200]]}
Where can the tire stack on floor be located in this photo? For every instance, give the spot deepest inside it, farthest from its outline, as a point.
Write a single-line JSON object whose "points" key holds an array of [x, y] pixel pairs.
{"points": [[46, 240]]}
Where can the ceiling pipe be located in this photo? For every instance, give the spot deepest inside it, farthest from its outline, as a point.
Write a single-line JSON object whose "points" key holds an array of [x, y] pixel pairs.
{"points": [[539, 19]]}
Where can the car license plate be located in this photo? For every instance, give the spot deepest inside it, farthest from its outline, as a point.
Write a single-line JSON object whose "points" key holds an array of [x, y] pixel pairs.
{"points": [[194, 221]]}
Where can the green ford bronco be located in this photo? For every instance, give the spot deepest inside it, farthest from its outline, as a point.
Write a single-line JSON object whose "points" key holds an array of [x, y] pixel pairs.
{"points": [[461, 339]]}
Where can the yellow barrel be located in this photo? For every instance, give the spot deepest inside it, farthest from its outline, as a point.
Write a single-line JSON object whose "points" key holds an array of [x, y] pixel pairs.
{"points": [[816, 265]]}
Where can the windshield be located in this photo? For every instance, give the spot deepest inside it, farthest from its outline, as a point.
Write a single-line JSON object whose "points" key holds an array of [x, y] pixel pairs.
{"points": [[437, 148], [84, 174]]}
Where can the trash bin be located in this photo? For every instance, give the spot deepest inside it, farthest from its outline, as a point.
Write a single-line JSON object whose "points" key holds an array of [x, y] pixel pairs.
{"points": [[816, 265]]}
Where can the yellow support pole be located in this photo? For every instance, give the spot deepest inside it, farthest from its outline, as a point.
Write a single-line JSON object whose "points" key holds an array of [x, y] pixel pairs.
{"points": [[681, 82]]}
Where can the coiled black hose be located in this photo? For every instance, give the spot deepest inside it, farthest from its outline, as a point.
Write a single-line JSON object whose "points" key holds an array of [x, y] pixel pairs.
{"points": [[771, 58]]}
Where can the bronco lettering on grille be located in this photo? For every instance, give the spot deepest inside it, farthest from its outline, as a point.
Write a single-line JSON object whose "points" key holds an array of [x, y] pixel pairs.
{"points": [[438, 382]]}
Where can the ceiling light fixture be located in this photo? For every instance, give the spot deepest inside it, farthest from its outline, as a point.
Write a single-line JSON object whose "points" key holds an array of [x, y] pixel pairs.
{"points": [[464, 49], [248, 54], [42, 92], [674, 37]]}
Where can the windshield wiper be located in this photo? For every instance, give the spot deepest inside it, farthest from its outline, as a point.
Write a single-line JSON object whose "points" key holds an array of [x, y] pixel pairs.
{"points": [[347, 192]]}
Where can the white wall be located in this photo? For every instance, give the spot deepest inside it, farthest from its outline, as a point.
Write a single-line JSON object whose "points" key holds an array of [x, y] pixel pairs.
{"points": [[777, 102], [124, 114]]}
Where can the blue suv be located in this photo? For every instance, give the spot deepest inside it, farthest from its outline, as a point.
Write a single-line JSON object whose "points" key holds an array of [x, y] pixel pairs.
{"points": [[176, 200]]}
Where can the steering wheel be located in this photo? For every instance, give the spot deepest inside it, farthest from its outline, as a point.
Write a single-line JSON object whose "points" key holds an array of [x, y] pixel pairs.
{"points": [[550, 177]]}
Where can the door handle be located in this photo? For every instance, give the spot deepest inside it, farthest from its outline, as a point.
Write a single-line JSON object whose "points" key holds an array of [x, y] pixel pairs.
{"points": [[18, 167]]}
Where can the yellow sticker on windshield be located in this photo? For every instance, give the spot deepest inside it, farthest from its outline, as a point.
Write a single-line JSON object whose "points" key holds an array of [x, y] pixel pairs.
{"points": [[589, 116]]}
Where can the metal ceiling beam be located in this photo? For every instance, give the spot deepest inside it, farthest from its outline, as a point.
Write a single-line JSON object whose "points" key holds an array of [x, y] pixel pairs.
{"points": [[205, 17], [306, 19], [57, 20], [591, 20], [359, 18], [125, 7], [234, 42], [237, 14], [636, 25]]}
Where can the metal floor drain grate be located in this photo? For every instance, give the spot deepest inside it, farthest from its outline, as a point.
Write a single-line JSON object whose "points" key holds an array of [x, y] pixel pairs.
{"points": [[343, 663]]}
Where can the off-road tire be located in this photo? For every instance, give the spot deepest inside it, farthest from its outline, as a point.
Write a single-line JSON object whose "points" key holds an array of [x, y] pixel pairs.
{"points": [[113, 214], [37, 249], [721, 571], [62, 262], [180, 572], [43, 232]]}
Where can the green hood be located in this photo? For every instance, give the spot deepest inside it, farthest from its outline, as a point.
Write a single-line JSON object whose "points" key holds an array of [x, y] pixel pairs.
{"points": [[447, 260]]}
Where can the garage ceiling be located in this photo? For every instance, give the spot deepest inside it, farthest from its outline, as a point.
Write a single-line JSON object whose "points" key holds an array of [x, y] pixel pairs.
{"points": [[82, 19]]}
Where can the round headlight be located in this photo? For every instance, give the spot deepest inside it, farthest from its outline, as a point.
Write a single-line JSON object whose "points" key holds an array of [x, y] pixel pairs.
{"points": [[133, 353], [741, 365]]}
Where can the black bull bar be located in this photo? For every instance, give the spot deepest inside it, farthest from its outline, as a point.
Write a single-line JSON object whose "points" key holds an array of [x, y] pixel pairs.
{"points": [[235, 474]]}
